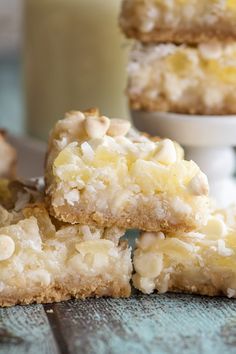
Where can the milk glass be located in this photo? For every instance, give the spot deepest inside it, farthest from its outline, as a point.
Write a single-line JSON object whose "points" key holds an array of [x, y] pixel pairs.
{"points": [[74, 58]]}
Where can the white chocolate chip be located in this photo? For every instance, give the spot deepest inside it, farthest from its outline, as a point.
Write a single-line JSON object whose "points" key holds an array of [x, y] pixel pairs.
{"points": [[211, 50], [199, 184], [166, 153], [118, 127], [96, 127], [215, 228], [7, 247], [148, 265]]}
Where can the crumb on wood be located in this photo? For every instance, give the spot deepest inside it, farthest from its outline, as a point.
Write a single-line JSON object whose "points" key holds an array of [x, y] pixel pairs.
{"points": [[49, 311]]}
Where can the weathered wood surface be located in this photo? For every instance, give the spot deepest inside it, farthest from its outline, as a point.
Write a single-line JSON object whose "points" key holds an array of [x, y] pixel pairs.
{"points": [[25, 329], [148, 324], [166, 324]]}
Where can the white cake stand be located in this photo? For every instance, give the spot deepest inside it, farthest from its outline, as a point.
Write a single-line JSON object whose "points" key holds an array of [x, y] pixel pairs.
{"points": [[208, 140]]}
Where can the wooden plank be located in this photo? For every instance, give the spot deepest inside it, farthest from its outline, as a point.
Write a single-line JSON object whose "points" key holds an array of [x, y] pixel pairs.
{"points": [[149, 324], [56, 323], [25, 329]]}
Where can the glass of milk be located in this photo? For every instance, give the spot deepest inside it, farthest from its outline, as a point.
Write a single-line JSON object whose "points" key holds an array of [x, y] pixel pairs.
{"points": [[74, 58]]}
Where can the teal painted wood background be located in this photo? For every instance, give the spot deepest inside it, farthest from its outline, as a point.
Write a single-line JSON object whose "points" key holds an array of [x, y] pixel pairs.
{"points": [[142, 324]]}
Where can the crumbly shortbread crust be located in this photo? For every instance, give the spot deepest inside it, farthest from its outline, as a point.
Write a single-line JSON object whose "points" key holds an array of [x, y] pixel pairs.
{"points": [[201, 262], [99, 171], [183, 79], [188, 21]]}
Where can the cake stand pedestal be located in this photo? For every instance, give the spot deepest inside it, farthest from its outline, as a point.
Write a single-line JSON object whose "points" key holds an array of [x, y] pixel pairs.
{"points": [[208, 140]]}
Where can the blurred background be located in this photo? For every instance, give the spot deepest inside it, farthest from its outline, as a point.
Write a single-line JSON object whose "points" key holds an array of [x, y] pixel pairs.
{"points": [[11, 89], [58, 55]]}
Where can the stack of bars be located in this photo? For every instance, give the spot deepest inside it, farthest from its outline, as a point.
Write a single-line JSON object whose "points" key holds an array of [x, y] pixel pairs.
{"points": [[185, 58], [65, 240]]}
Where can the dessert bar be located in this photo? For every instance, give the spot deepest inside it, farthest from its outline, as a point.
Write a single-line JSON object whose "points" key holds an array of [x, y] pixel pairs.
{"points": [[200, 262], [44, 261], [101, 172]]}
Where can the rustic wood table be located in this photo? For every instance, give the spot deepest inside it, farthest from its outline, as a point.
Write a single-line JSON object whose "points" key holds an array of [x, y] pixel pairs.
{"points": [[141, 324]]}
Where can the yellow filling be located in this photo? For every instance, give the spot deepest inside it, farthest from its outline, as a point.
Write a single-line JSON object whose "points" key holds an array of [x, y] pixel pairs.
{"points": [[231, 5], [226, 74], [125, 168], [181, 64]]}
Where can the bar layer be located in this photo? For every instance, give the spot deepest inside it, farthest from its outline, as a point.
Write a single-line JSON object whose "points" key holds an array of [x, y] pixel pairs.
{"points": [[202, 262], [44, 261], [183, 79], [179, 21], [100, 172]]}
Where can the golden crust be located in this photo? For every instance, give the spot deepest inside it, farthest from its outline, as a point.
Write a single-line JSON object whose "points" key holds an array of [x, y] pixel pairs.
{"points": [[214, 287], [162, 104], [143, 217], [95, 287], [204, 290], [222, 31]]}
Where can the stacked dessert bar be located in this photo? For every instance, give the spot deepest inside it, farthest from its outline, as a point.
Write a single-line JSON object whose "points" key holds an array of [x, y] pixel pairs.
{"points": [[185, 57], [102, 177], [102, 173]]}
